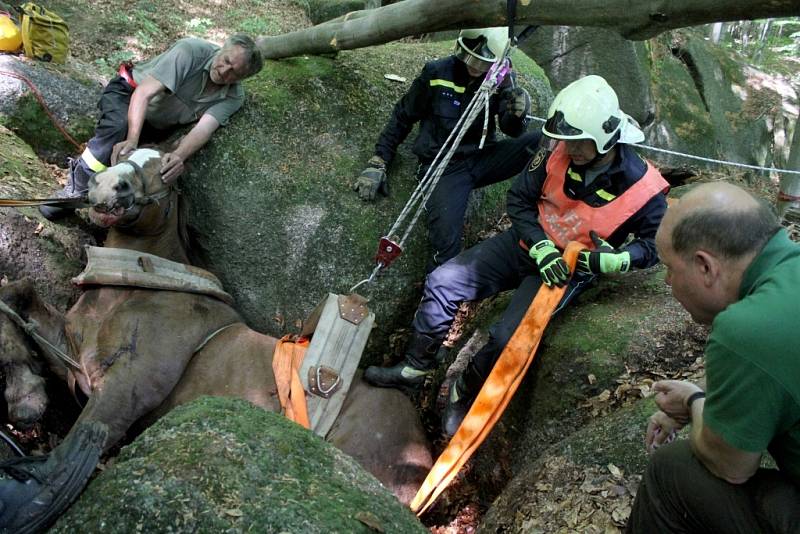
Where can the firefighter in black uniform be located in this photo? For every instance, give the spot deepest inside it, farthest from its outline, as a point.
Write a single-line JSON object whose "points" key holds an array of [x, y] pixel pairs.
{"points": [[584, 184], [437, 98]]}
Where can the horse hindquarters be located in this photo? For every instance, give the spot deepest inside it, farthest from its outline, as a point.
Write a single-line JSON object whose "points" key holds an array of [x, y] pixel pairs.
{"points": [[381, 429], [24, 388]]}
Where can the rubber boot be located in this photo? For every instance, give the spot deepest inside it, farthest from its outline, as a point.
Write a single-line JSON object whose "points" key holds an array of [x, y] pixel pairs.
{"points": [[76, 187], [34, 491], [462, 394], [408, 375]]}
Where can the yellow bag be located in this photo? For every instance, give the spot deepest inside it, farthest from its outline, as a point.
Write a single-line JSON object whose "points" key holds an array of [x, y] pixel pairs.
{"points": [[10, 37], [45, 35]]}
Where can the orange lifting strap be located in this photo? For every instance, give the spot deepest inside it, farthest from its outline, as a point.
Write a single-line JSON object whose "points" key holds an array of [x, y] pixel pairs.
{"points": [[289, 353], [497, 391]]}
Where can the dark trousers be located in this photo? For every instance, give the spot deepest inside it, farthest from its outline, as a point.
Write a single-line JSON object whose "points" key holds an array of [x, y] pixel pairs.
{"points": [[495, 265], [678, 494], [111, 128], [448, 202]]}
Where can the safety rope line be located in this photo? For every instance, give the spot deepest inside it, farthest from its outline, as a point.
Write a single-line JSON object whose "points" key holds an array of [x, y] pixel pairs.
{"points": [[700, 158], [46, 109], [30, 328], [427, 184]]}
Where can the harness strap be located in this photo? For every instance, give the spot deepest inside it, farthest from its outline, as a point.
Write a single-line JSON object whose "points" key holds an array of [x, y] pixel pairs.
{"points": [[497, 391], [286, 362]]}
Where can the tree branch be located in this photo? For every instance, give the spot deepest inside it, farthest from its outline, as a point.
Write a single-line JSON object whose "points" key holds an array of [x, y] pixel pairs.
{"points": [[633, 20]]}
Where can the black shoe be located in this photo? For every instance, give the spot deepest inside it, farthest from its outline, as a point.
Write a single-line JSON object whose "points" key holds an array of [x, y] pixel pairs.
{"points": [[459, 402], [402, 376], [35, 491], [54, 213]]}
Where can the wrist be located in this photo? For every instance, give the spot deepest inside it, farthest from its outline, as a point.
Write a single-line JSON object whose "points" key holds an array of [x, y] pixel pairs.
{"points": [[700, 394]]}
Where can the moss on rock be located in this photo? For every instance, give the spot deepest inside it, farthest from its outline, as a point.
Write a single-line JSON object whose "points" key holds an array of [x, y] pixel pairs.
{"points": [[223, 465]]}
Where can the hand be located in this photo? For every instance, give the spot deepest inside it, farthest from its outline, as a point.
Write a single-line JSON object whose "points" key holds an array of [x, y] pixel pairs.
{"points": [[123, 148], [171, 167], [518, 101], [671, 396], [603, 259], [552, 267], [372, 180], [661, 429]]}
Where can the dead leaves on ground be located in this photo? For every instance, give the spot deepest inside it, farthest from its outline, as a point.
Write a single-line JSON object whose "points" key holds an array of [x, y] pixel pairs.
{"points": [[637, 384], [575, 498]]}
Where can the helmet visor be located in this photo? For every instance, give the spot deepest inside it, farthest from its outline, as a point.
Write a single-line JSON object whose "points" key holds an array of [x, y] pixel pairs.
{"points": [[473, 62], [557, 126]]}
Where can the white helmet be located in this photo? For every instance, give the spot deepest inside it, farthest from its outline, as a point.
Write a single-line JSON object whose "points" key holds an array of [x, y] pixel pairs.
{"points": [[588, 108], [480, 48]]}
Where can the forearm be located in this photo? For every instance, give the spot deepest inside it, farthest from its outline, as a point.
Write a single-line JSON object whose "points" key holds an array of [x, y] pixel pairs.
{"points": [[137, 110], [195, 139], [724, 462]]}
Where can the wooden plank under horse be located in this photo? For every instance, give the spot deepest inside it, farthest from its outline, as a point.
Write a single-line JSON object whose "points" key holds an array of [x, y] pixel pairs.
{"points": [[339, 328]]}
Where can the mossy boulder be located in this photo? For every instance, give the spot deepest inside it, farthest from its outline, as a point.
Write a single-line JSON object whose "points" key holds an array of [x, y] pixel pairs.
{"points": [[69, 94], [272, 199], [223, 465], [568, 53], [30, 246]]}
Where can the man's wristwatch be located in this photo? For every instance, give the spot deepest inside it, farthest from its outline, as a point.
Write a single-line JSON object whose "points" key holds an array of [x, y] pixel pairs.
{"points": [[693, 397]]}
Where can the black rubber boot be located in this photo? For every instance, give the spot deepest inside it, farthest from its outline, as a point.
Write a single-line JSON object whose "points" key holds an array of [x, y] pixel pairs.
{"points": [[34, 491], [462, 394], [76, 187], [410, 374]]}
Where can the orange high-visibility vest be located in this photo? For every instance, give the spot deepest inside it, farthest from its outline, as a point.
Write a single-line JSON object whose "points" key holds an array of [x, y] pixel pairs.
{"points": [[564, 219]]}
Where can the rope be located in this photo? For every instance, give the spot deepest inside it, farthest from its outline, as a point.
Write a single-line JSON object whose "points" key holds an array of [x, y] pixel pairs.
{"points": [[701, 158], [39, 97], [30, 328]]}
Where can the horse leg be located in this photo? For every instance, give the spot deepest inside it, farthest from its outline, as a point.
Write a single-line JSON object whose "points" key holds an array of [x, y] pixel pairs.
{"points": [[24, 391]]}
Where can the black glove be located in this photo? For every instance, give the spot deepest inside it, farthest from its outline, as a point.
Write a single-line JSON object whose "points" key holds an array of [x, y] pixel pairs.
{"points": [[518, 101], [372, 180]]}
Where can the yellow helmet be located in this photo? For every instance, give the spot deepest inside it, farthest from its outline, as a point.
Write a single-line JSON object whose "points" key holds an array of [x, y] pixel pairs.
{"points": [[480, 48], [10, 36], [588, 108]]}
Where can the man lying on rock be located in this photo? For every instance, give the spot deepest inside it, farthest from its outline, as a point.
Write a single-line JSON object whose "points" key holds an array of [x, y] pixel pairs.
{"points": [[193, 81], [584, 184], [730, 265]]}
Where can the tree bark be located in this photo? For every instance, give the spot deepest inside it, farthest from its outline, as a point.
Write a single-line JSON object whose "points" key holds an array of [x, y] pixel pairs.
{"points": [[790, 183], [633, 20]]}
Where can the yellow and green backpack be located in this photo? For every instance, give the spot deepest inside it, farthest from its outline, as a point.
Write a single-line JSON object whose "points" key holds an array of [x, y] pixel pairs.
{"points": [[45, 35]]}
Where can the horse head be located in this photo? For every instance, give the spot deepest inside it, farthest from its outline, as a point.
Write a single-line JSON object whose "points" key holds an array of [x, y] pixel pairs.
{"points": [[131, 194]]}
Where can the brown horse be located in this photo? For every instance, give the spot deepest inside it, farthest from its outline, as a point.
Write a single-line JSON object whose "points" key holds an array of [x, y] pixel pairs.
{"points": [[137, 352]]}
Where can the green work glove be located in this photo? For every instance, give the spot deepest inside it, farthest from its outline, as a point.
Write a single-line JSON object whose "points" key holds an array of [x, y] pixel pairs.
{"points": [[372, 180], [552, 267], [603, 259], [518, 101]]}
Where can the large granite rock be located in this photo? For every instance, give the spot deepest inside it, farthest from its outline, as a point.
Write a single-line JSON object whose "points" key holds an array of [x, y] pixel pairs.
{"points": [[223, 465]]}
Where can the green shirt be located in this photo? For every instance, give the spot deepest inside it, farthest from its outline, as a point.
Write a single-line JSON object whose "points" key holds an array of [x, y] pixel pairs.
{"points": [[753, 360], [184, 71]]}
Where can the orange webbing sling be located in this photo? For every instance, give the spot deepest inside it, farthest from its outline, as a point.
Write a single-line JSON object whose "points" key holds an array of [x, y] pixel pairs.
{"points": [[286, 365], [497, 391]]}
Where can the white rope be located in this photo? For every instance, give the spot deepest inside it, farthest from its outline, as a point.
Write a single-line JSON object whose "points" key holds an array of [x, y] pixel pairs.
{"points": [[700, 158]]}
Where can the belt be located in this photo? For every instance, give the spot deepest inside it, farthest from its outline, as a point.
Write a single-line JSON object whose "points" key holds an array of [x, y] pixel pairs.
{"points": [[126, 73]]}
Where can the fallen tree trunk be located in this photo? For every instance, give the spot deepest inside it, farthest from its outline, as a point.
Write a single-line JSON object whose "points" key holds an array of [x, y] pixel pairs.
{"points": [[633, 20]]}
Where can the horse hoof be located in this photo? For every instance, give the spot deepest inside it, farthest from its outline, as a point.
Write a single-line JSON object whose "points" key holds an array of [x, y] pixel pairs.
{"points": [[26, 398]]}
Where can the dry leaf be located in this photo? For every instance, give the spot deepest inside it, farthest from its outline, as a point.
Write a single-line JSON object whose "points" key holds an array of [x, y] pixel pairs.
{"points": [[394, 77]]}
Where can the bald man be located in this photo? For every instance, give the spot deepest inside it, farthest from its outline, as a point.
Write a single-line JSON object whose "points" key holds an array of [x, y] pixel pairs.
{"points": [[730, 265]]}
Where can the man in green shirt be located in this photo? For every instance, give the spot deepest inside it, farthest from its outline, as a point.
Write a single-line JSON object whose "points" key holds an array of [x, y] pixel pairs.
{"points": [[731, 266], [193, 82]]}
